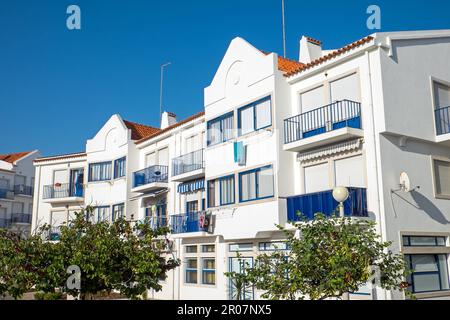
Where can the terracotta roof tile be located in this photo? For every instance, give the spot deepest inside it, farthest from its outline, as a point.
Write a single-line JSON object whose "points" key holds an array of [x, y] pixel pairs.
{"points": [[197, 115], [61, 157], [287, 65], [13, 157], [315, 41], [139, 131]]}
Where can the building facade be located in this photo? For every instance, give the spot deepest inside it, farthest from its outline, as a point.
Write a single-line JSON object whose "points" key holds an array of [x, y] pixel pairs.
{"points": [[16, 191], [275, 137]]}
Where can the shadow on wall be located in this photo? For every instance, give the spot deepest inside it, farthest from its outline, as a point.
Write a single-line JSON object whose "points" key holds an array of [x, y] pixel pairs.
{"points": [[429, 208]]}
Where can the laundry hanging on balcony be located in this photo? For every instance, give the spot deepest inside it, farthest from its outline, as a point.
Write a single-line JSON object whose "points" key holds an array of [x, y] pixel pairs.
{"points": [[239, 153], [191, 186]]}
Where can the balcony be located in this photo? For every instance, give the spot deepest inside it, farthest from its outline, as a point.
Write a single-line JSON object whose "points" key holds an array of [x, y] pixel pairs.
{"points": [[188, 222], [23, 190], [6, 194], [153, 178], [335, 122], [156, 222], [23, 218], [188, 166], [322, 202], [63, 193]]}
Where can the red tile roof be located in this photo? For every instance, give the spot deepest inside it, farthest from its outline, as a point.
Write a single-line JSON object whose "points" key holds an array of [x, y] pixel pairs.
{"points": [[61, 157], [140, 131], [13, 157], [315, 41], [197, 115], [327, 57], [286, 65]]}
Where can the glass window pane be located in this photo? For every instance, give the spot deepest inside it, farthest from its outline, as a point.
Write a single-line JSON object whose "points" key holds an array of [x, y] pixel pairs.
{"points": [[227, 190], [426, 282], [424, 263], [227, 128], [192, 263], [442, 177], [209, 264], [441, 241], [211, 194], [263, 115], [247, 120], [422, 241], [405, 240], [208, 248], [443, 269], [241, 247], [191, 249], [191, 276], [265, 183], [442, 95], [248, 186]]}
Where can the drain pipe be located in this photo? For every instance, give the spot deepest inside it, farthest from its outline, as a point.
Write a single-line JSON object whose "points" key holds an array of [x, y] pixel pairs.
{"points": [[376, 153]]}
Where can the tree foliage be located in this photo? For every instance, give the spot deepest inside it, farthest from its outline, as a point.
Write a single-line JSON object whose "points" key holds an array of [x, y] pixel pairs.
{"points": [[327, 257], [119, 256]]}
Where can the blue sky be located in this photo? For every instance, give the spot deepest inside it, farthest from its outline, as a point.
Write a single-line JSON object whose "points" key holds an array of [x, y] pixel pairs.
{"points": [[57, 87]]}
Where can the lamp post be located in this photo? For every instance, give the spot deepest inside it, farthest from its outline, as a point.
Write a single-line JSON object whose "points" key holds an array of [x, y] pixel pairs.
{"points": [[161, 88], [340, 194]]}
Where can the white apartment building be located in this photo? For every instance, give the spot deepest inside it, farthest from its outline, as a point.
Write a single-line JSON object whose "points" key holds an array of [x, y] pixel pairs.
{"points": [[276, 136], [16, 190]]}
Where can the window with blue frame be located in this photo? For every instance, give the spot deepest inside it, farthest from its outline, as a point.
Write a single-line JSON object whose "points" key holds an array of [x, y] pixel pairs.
{"points": [[424, 241], [208, 271], [119, 168], [256, 184], [191, 270], [273, 246], [118, 211], [255, 116], [221, 191], [102, 213], [100, 171], [220, 129], [429, 272]]}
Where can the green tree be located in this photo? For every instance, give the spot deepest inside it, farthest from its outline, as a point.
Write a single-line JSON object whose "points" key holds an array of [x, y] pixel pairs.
{"points": [[119, 256], [331, 257]]}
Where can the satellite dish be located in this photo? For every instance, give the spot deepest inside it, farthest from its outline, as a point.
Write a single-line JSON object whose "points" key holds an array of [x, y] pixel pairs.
{"points": [[405, 183]]}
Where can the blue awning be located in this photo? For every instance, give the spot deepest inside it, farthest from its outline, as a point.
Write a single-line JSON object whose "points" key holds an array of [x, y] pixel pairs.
{"points": [[191, 186]]}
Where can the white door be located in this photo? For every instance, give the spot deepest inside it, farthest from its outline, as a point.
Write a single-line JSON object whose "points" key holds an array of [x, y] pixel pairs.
{"points": [[349, 172], [60, 176], [317, 178], [150, 159]]}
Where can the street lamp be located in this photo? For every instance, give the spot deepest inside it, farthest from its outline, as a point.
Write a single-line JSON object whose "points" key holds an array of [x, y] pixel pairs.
{"points": [[340, 194]]}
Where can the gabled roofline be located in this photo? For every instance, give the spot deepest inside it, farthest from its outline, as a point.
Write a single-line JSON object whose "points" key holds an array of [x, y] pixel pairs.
{"points": [[175, 125], [60, 157]]}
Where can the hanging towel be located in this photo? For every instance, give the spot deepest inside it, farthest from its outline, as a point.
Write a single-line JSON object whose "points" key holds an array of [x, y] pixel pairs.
{"points": [[239, 153]]}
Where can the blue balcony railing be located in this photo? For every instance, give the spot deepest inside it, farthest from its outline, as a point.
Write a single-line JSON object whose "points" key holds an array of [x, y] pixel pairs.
{"points": [[22, 189], [340, 114], [188, 162], [63, 190], [156, 222], [21, 218], [187, 222], [7, 194], [322, 202], [5, 223], [150, 175], [442, 117]]}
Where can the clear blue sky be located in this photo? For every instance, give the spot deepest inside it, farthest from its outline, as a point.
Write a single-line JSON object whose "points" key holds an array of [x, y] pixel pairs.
{"points": [[57, 87]]}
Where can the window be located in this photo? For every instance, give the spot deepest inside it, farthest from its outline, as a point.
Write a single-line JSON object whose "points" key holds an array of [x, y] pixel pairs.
{"points": [[191, 270], [423, 241], [208, 248], [163, 157], [240, 247], [273, 246], [345, 88], [220, 129], [441, 177], [429, 272], [208, 271], [350, 172], [118, 211], [255, 116], [119, 168], [441, 95], [312, 99], [316, 178], [99, 171], [102, 213], [191, 249], [221, 191], [256, 184]]}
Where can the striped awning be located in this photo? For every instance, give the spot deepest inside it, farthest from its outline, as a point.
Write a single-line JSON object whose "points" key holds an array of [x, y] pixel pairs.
{"points": [[330, 150], [191, 186]]}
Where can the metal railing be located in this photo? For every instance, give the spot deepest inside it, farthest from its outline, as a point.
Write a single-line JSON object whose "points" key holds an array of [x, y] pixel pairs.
{"points": [[340, 114], [307, 205], [21, 218], [150, 175], [442, 118], [187, 222], [7, 194], [5, 223], [23, 190], [63, 190], [188, 162], [156, 222]]}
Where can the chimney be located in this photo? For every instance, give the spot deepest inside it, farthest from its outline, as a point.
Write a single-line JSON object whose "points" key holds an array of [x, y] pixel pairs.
{"points": [[310, 49], [168, 119]]}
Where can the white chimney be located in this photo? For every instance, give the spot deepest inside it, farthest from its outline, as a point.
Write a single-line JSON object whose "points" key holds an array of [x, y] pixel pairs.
{"points": [[310, 49], [168, 119]]}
